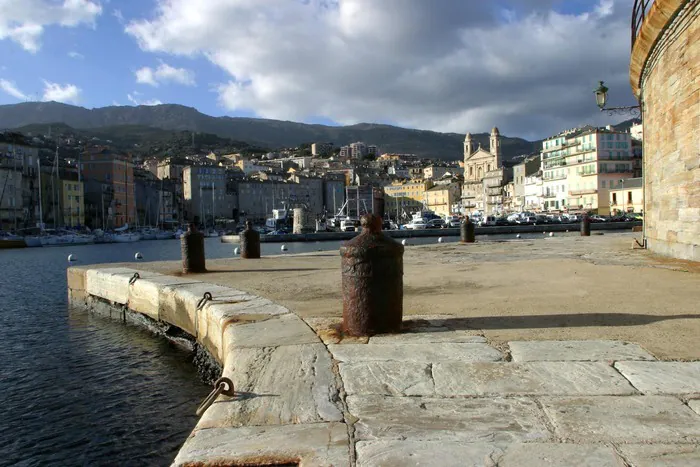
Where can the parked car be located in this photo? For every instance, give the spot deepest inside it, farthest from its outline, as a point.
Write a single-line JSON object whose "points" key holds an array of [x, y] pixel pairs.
{"points": [[435, 224], [488, 220], [502, 221]]}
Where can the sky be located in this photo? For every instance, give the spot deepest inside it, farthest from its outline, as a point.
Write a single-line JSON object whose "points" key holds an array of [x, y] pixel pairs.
{"points": [[526, 66]]}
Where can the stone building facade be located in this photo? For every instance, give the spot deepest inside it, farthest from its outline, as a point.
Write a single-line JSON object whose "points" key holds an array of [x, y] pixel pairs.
{"points": [[477, 164], [664, 70]]}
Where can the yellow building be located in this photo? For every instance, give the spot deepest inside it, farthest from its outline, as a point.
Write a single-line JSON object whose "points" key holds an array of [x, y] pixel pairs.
{"points": [[73, 203], [401, 199], [627, 196], [441, 198]]}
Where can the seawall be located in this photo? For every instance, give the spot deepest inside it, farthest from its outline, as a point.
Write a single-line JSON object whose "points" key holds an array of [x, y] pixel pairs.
{"points": [[451, 232], [287, 408]]}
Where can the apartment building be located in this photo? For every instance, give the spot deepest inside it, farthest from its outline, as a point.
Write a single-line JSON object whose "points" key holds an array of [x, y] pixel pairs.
{"points": [[321, 149], [72, 200], [205, 194], [435, 172], [529, 167], [404, 198], [579, 167], [627, 195], [441, 198], [116, 172]]}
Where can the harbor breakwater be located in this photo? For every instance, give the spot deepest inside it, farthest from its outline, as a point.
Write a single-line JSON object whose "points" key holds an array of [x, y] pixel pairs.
{"points": [[287, 408], [451, 232]]}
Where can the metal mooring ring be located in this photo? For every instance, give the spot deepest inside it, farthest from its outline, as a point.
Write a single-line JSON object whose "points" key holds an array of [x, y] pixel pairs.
{"points": [[134, 278], [223, 386], [207, 296]]}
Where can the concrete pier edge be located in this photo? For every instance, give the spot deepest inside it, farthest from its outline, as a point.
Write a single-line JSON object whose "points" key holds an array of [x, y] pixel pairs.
{"points": [[451, 232], [253, 339], [434, 395]]}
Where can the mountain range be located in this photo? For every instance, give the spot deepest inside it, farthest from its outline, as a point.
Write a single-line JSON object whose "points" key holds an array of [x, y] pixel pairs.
{"points": [[270, 134], [142, 124]]}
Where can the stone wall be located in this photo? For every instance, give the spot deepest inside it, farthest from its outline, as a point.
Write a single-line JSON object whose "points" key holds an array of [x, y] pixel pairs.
{"points": [[665, 71]]}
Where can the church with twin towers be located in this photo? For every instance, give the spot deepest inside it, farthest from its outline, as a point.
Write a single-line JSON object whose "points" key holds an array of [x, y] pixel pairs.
{"points": [[485, 176]]}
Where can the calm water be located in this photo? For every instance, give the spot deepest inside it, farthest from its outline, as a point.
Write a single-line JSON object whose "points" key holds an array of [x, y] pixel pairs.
{"points": [[78, 389]]}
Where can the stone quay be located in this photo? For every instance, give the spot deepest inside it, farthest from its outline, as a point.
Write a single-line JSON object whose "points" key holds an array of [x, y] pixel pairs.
{"points": [[559, 351]]}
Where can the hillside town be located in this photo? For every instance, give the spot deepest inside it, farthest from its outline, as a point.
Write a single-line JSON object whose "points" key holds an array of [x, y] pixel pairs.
{"points": [[91, 184]]}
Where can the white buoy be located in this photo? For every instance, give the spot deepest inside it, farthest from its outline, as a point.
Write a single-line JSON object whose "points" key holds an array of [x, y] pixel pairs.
{"points": [[404, 242], [567, 231], [517, 236], [72, 258], [138, 256], [551, 234], [440, 240], [236, 251], [284, 248]]}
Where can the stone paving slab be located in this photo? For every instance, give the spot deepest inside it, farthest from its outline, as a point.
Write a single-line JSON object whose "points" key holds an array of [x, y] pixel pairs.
{"points": [[318, 444], [287, 329], [559, 455], [277, 386], [536, 378], [391, 378], [463, 420], [531, 351], [432, 337], [631, 419], [662, 455], [425, 453], [662, 377], [415, 353], [454, 454]]}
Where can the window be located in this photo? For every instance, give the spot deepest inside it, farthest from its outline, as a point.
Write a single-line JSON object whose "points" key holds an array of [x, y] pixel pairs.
{"points": [[602, 183], [614, 198], [69, 188], [629, 197]]}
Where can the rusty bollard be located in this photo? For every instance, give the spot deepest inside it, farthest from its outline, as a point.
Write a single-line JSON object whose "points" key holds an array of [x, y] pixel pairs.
{"points": [[250, 242], [372, 273], [585, 226], [192, 245], [466, 231]]}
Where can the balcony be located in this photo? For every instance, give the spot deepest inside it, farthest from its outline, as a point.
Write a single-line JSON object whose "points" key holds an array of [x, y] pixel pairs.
{"points": [[554, 177], [587, 191], [494, 191], [549, 195]]}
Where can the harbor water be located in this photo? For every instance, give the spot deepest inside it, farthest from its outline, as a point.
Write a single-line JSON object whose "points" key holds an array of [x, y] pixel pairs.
{"points": [[79, 389]]}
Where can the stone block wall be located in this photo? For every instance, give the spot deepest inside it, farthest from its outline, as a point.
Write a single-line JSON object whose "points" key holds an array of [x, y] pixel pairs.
{"points": [[669, 87]]}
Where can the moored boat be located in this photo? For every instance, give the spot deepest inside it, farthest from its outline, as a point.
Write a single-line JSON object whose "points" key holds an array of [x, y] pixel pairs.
{"points": [[8, 240], [126, 237]]}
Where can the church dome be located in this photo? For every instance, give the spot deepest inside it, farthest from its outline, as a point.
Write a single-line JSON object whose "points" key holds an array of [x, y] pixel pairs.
{"points": [[494, 131]]}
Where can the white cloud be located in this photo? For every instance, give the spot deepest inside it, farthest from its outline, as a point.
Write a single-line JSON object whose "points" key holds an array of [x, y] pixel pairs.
{"points": [[68, 93], [163, 74], [10, 88], [76, 55], [23, 21], [118, 14], [446, 65], [134, 99]]}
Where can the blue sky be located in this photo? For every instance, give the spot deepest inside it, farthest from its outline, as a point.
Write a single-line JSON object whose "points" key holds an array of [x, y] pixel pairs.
{"points": [[527, 66]]}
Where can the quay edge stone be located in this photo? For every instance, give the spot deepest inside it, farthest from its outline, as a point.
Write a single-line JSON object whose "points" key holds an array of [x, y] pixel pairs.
{"points": [[662, 377]]}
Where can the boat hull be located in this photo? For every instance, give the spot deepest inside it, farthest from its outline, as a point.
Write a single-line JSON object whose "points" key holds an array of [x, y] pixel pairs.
{"points": [[5, 244]]}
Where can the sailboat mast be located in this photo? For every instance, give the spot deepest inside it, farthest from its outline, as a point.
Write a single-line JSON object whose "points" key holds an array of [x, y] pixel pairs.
{"points": [[54, 174], [14, 184], [213, 206], [41, 211]]}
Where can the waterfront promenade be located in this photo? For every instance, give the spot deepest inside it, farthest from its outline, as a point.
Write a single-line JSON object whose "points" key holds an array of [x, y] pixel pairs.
{"points": [[557, 351]]}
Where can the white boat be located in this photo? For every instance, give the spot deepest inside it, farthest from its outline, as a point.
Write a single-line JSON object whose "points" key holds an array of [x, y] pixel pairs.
{"points": [[63, 238], [148, 234], [32, 240], [211, 233], [165, 235], [179, 233], [126, 237]]}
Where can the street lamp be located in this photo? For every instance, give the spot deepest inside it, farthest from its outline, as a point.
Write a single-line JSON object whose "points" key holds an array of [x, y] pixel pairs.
{"points": [[622, 182], [601, 98]]}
